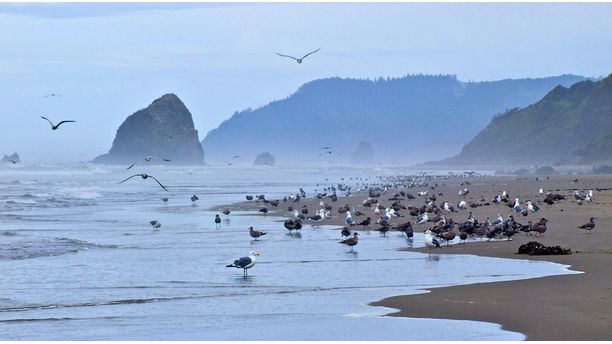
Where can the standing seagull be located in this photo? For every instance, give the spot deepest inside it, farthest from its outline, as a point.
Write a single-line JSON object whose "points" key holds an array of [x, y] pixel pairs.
{"points": [[255, 234], [351, 241], [589, 225], [217, 221], [430, 241], [144, 176], [156, 224], [295, 58], [245, 262], [55, 126]]}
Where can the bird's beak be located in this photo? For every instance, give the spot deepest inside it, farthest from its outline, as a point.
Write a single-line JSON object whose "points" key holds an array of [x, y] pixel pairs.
{"points": [[257, 253]]}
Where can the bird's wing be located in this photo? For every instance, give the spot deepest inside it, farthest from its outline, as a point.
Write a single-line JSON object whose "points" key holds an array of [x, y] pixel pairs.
{"points": [[435, 242], [242, 262], [132, 165], [165, 159], [126, 179], [43, 117], [310, 53], [160, 184], [60, 123], [279, 54]]}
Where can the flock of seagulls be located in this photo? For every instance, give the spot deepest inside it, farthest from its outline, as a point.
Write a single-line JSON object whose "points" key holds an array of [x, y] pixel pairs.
{"points": [[439, 229]]}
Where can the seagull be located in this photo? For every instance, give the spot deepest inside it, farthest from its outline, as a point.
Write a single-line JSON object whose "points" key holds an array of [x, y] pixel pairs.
{"points": [[532, 207], [255, 234], [297, 215], [300, 59], [53, 95], [226, 211], [470, 173], [194, 198], [318, 216], [217, 221], [147, 159], [430, 241], [55, 126], [589, 225], [349, 219], [156, 224], [144, 176], [517, 206], [245, 262], [351, 241], [164, 199]]}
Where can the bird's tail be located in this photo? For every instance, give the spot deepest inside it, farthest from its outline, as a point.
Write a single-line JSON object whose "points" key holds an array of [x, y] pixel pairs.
{"points": [[263, 233], [230, 266]]}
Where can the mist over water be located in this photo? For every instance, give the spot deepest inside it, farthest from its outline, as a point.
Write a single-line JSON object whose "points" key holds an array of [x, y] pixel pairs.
{"points": [[79, 260]]}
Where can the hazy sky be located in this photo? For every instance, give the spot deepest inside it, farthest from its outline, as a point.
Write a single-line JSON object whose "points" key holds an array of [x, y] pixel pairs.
{"points": [[110, 60]]}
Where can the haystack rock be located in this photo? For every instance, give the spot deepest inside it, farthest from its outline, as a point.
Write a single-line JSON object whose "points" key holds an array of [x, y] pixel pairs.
{"points": [[264, 159], [364, 154], [10, 158], [164, 129]]}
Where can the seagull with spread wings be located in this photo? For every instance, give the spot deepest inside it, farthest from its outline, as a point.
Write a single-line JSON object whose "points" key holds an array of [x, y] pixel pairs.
{"points": [[147, 159], [298, 60], [55, 126], [144, 176]]}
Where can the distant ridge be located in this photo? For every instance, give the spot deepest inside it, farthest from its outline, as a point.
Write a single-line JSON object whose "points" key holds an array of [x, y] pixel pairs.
{"points": [[568, 125], [410, 119], [164, 129]]}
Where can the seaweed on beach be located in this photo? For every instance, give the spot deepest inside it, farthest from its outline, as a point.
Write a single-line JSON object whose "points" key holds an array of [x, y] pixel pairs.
{"points": [[534, 248]]}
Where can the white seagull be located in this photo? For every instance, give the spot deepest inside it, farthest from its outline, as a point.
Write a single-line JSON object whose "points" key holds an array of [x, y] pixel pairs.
{"points": [[245, 263], [430, 241]]}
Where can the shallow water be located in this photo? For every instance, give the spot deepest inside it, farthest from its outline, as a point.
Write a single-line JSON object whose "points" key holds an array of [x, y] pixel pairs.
{"points": [[79, 260]]}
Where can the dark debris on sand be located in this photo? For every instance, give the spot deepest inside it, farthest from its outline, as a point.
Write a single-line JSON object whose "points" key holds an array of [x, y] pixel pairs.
{"points": [[534, 248]]}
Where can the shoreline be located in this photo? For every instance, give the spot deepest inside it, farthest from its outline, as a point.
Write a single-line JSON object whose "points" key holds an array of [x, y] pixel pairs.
{"points": [[559, 307]]}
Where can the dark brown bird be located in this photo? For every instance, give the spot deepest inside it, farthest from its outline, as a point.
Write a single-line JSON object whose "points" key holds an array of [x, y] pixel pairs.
{"points": [[365, 223], [55, 126], [144, 176], [351, 241], [255, 234], [540, 226]]}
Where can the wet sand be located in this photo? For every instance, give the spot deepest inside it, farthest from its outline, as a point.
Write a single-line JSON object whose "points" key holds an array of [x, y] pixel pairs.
{"points": [[567, 307]]}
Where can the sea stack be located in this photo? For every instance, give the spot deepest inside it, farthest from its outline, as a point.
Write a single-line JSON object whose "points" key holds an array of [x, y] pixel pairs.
{"points": [[364, 154], [165, 129], [10, 158], [264, 159]]}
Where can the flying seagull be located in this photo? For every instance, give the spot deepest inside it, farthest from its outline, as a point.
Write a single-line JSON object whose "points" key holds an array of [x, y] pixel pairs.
{"points": [[147, 159], [53, 95], [54, 126], [144, 176], [245, 262], [300, 59]]}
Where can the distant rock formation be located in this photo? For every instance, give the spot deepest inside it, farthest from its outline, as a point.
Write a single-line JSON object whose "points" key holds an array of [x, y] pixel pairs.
{"points": [[164, 129], [264, 159], [10, 158], [568, 125], [433, 116], [364, 154]]}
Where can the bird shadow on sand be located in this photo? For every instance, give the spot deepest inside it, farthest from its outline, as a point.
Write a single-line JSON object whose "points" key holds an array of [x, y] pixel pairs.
{"points": [[296, 235]]}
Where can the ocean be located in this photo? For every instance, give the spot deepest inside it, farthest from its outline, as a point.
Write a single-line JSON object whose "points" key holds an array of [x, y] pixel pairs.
{"points": [[80, 261]]}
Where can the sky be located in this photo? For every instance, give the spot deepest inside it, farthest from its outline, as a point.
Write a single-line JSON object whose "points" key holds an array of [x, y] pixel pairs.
{"points": [[109, 60]]}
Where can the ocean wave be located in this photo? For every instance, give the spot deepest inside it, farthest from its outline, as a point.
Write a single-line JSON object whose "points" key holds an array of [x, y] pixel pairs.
{"points": [[26, 249]]}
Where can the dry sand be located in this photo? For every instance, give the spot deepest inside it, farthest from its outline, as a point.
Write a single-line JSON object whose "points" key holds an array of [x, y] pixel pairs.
{"points": [[566, 307]]}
